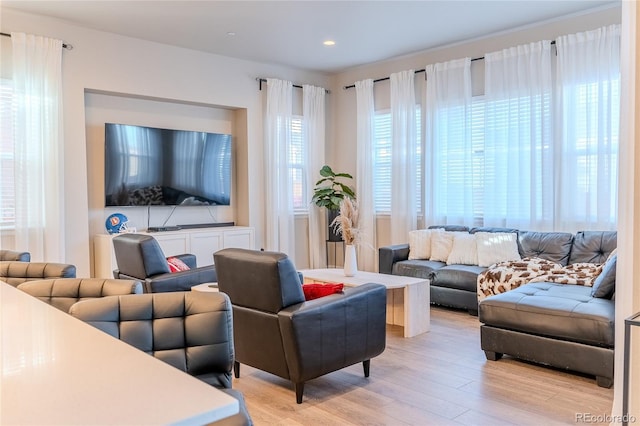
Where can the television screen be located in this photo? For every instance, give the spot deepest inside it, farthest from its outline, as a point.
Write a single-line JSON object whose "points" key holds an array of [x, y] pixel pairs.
{"points": [[145, 166]]}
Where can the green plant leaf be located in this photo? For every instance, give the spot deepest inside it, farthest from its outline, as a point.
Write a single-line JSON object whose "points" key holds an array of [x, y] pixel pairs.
{"points": [[326, 171], [344, 175]]}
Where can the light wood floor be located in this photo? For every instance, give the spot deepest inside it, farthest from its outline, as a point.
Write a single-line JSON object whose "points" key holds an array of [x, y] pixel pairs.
{"points": [[438, 378]]}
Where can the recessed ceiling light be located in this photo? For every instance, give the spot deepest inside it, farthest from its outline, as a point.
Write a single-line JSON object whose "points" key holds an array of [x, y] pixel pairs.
{"points": [[231, 33], [329, 43]]}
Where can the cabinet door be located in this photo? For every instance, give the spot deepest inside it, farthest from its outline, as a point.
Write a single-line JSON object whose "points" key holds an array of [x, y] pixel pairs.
{"points": [[173, 244], [240, 238], [204, 244]]}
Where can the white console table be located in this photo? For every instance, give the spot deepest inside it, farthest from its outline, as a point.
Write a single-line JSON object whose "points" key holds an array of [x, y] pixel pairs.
{"points": [[202, 242], [57, 370]]}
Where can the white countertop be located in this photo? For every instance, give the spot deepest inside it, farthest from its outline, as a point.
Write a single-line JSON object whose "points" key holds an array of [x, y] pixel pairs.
{"points": [[57, 370]]}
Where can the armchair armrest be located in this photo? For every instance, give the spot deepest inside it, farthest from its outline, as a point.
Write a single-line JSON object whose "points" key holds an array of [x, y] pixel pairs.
{"points": [[328, 333], [180, 281], [389, 255]]}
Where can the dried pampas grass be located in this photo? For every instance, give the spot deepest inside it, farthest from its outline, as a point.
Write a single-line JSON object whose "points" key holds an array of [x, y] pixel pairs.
{"points": [[346, 223]]}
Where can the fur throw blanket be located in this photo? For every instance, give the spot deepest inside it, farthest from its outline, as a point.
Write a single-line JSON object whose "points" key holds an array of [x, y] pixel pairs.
{"points": [[504, 276]]}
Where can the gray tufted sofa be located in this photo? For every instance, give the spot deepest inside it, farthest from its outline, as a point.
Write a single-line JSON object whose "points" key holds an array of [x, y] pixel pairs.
{"points": [[456, 285], [17, 272], [62, 293]]}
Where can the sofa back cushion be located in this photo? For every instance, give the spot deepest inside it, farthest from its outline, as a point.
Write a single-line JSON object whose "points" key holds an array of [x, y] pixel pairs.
{"points": [[553, 246], [605, 284], [593, 246], [450, 228]]}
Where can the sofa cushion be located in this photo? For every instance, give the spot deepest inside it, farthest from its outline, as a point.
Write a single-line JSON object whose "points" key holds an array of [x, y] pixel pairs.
{"points": [[494, 247], [593, 246], [416, 268], [492, 229], [553, 246], [464, 250], [605, 285], [450, 228], [420, 244], [461, 277], [562, 311], [441, 245]]}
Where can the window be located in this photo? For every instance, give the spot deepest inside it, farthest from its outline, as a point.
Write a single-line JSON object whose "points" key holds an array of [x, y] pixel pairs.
{"points": [[7, 184], [595, 148], [382, 160], [297, 165]]}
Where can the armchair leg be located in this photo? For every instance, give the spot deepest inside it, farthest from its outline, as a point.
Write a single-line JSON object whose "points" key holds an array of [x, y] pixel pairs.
{"points": [[366, 365], [299, 388], [236, 369]]}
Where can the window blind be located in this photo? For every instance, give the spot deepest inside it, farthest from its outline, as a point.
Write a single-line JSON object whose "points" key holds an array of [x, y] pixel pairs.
{"points": [[7, 183]]}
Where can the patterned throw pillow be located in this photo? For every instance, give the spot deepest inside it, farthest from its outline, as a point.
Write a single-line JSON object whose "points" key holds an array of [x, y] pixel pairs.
{"points": [[317, 290], [176, 265]]}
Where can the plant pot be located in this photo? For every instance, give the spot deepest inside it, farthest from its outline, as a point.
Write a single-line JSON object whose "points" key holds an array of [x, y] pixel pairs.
{"points": [[332, 235]]}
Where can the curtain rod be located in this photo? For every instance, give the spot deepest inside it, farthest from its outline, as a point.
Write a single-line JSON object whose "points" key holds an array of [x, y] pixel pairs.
{"points": [[261, 80], [65, 45], [419, 71]]}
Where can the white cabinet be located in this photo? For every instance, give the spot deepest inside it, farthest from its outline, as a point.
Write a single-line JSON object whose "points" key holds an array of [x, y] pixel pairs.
{"points": [[204, 244], [201, 242]]}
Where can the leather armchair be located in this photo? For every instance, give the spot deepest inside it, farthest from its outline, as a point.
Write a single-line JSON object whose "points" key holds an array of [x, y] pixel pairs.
{"points": [[277, 331], [16, 272], [192, 331], [16, 256], [62, 293], [140, 257]]}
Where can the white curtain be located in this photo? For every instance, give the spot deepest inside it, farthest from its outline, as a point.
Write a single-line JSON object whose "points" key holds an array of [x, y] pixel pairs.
{"points": [[37, 80], [403, 156], [279, 226], [449, 172], [518, 154], [368, 249], [588, 77], [313, 112]]}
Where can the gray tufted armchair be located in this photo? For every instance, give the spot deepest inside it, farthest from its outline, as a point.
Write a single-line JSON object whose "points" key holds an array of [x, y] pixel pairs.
{"points": [[277, 331], [62, 293], [17, 272], [17, 256], [140, 257], [192, 331]]}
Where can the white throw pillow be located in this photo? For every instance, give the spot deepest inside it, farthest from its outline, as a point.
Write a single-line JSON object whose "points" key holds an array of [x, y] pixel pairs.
{"points": [[494, 247], [464, 250], [420, 244], [441, 244]]}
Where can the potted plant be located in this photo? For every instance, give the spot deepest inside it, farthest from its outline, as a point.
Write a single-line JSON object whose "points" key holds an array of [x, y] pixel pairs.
{"points": [[329, 192]]}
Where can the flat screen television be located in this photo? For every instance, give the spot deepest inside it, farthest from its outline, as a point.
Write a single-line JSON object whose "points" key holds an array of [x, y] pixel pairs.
{"points": [[146, 166]]}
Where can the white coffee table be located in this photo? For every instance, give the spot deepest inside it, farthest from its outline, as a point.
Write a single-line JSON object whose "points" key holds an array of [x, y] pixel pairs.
{"points": [[206, 287], [407, 298]]}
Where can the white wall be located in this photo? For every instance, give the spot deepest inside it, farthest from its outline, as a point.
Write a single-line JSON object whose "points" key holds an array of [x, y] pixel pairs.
{"points": [[111, 64]]}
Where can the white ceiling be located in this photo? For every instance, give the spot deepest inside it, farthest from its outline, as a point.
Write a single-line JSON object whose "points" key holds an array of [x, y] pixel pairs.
{"points": [[291, 32]]}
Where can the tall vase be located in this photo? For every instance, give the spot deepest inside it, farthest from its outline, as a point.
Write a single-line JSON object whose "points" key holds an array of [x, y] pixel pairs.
{"points": [[350, 261]]}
